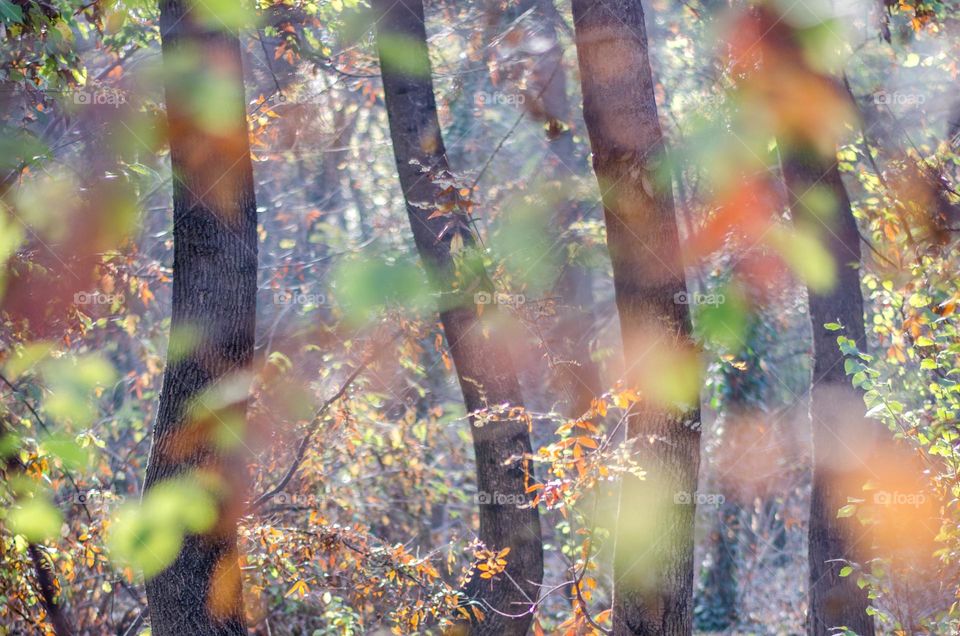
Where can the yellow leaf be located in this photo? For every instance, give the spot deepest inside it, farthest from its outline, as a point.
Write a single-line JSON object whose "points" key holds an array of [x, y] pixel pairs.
{"points": [[300, 587]]}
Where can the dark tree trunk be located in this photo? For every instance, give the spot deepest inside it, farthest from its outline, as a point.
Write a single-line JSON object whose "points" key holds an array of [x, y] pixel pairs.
{"points": [[653, 566], [214, 298], [840, 434], [483, 363], [48, 592]]}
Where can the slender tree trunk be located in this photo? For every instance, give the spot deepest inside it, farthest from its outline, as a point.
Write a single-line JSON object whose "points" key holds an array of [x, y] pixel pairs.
{"points": [[653, 569], [330, 186], [840, 434], [476, 86], [484, 367], [576, 373], [717, 607], [48, 592], [214, 298]]}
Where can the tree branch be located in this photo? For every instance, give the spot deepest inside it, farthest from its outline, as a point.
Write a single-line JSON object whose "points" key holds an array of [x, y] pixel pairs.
{"points": [[315, 424]]}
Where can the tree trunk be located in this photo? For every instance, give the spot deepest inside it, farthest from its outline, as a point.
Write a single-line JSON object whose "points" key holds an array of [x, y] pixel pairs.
{"points": [[836, 408], [717, 606], [653, 569], [577, 375], [475, 86], [716, 610], [483, 363], [214, 298]]}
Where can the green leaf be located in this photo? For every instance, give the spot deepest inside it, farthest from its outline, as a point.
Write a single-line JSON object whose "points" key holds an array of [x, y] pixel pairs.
{"points": [[403, 55], [136, 540], [846, 511], [73, 382], [859, 378], [184, 502], [36, 519], [10, 12], [876, 411], [227, 15], [845, 571], [722, 317], [9, 444], [365, 286], [68, 450], [26, 358], [149, 536], [805, 254], [847, 346]]}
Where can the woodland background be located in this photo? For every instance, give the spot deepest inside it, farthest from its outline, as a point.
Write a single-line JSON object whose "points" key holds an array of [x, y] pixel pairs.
{"points": [[377, 528]]}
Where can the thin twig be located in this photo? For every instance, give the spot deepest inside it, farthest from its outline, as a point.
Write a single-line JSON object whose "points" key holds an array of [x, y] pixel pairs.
{"points": [[33, 411], [135, 625], [513, 127], [315, 424]]}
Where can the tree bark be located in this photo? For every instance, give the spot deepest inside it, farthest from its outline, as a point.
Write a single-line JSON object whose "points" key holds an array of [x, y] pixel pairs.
{"points": [[653, 568], [836, 408], [484, 367], [48, 592], [214, 299]]}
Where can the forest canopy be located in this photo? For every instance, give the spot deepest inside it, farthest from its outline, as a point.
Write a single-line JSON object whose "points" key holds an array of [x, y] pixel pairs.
{"points": [[489, 317]]}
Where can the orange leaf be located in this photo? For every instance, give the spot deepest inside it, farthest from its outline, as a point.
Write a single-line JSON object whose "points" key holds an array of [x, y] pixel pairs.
{"points": [[300, 587]]}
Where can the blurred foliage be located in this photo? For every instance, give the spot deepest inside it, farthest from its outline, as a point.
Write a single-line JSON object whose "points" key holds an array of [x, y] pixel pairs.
{"points": [[377, 528]]}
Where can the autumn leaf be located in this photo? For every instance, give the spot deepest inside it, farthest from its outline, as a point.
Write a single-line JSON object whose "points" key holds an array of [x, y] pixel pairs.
{"points": [[299, 588]]}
